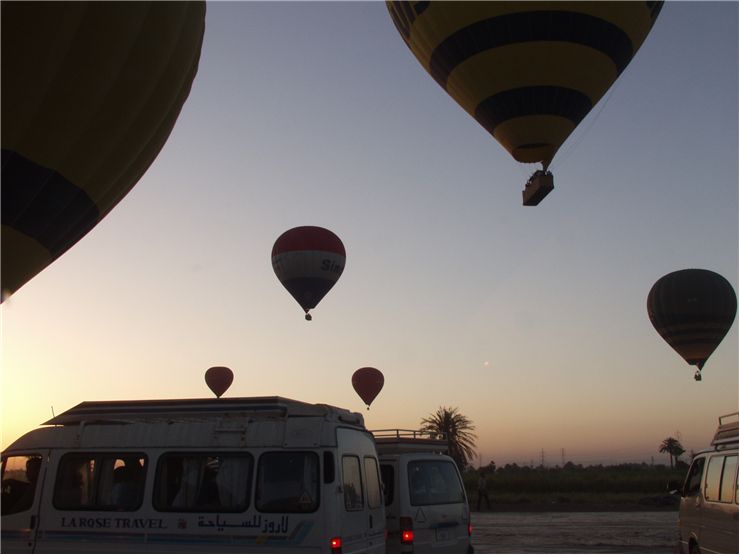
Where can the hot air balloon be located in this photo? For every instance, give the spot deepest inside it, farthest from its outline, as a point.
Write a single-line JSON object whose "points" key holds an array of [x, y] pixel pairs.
{"points": [[218, 379], [368, 382], [692, 310], [308, 261], [90, 94], [528, 72]]}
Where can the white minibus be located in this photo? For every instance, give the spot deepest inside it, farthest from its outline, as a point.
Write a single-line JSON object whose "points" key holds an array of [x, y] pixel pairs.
{"points": [[708, 515], [262, 474], [425, 501]]}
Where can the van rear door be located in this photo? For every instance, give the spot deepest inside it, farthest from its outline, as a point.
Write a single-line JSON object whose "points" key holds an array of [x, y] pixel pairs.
{"points": [[361, 504], [438, 505], [22, 483]]}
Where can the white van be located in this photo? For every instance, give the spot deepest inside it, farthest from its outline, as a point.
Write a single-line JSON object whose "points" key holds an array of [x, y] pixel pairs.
{"points": [[202, 475], [426, 506], [708, 516]]}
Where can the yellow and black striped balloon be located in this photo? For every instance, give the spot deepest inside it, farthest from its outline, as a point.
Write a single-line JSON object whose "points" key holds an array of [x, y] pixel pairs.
{"points": [[692, 310], [90, 94], [528, 72]]}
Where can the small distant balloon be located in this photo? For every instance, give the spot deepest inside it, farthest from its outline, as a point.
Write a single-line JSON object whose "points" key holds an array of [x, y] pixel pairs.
{"points": [[219, 378], [368, 382], [692, 310], [308, 261]]}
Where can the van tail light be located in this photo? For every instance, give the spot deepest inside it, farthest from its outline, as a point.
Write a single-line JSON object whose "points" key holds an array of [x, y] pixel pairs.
{"points": [[470, 528], [336, 545], [407, 530]]}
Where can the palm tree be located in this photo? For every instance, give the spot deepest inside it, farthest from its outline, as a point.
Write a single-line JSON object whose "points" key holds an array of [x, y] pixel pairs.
{"points": [[457, 428], [673, 447]]}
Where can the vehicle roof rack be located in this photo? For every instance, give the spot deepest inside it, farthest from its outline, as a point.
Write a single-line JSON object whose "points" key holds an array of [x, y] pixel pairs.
{"points": [[397, 440], [727, 430], [189, 409]]}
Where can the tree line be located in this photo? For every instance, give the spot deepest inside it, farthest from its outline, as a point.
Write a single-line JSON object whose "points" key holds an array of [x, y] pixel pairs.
{"points": [[458, 429]]}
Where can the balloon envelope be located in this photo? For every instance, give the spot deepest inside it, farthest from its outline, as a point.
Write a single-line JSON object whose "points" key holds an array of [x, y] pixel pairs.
{"points": [[308, 261], [90, 94], [368, 382], [692, 310], [219, 379], [528, 72]]}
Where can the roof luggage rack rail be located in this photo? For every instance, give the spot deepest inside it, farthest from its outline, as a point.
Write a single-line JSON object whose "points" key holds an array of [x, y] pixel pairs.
{"points": [[727, 430], [186, 410], [397, 440]]}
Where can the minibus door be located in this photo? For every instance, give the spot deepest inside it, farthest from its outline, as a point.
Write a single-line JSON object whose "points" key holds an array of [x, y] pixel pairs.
{"points": [[22, 485], [355, 515]]}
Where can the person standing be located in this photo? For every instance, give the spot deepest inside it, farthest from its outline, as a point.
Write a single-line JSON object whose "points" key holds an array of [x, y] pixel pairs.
{"points": [[483, 490]]}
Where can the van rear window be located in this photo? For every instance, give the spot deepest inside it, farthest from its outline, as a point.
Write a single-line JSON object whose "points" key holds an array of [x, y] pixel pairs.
{"points": [[352, 483], [434, 483], [100, 481], [372, 480], [287, 482], [203, 482]]}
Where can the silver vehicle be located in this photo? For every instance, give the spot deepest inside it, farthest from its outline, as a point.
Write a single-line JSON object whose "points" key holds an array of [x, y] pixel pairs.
{"points": [[244, 475], [708, 516], [426, 506]]}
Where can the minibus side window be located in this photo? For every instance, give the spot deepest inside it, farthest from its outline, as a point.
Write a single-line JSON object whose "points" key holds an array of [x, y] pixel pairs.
{"points": [[352, 483], [374, 497], [727, 492], [19, 477], [287, 482], [693, 478], [714, 475], [386, 471], [100, 481], [203, 482]]}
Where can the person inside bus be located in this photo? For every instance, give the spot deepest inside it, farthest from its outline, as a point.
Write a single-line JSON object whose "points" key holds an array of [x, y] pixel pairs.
{"points": [[127, 484], [69, 487], [25, 496]]}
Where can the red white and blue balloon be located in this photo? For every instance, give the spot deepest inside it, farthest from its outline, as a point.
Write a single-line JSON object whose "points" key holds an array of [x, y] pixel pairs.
{"points": [[308, 261]]}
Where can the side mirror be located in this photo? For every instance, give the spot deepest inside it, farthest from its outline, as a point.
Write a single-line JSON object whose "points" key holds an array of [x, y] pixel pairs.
{"points": [[674, 487]]}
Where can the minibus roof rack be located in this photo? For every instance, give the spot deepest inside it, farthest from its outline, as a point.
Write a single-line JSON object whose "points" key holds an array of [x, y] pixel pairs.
{"points": [[397, 440], [727, 430], [190, 409]]}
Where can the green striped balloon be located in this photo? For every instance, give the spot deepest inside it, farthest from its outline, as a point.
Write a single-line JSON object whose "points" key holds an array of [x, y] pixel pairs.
{"points": [[528, 72], [90, 94], [692, 310]]}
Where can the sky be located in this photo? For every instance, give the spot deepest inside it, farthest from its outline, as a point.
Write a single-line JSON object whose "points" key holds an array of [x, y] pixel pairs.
{"points": [[531, 321]]}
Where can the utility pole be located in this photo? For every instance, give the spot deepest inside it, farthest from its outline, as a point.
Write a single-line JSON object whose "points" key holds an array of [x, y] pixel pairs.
{"points": [[542, 458], [562, 455]]}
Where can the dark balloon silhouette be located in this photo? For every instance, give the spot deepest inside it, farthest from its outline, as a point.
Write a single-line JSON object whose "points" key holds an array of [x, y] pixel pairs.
{"points": [[308, 261], [90, 94], [692, 310], [528, 72], [219, 379], [368, 382]]}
